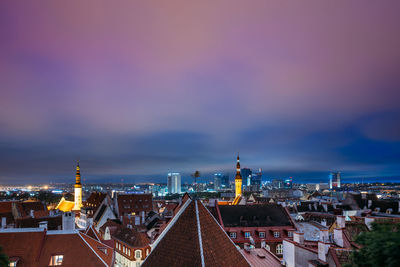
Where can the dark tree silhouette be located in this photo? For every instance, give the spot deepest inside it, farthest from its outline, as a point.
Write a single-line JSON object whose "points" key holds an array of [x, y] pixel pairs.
{"points": [[3, 258], [380, 247]]}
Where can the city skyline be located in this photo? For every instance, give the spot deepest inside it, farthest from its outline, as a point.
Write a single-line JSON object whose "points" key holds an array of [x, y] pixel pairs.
{"points": [[298, 89]]}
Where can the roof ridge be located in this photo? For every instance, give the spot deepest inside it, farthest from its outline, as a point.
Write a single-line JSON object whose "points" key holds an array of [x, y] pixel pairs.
{"points": [[199, 233], [79, 234], [169, 226], [97, 240], [222, 229]]}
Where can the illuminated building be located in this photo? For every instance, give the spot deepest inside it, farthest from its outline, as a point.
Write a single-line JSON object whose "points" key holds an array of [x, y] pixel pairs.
{"points": [[174, 183], [334, 180], [238, 179], [246, 174], [78, 189], [217, 181], [66, 205]]}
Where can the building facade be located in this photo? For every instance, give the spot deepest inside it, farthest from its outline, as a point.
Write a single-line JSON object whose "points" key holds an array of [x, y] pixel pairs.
{"points": [[174, 183]]}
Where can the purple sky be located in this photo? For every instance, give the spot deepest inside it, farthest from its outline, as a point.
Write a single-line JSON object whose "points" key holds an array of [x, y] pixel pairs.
{"points": [[140, 88]]}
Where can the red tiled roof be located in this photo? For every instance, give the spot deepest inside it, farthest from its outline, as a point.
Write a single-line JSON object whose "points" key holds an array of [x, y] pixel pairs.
{"points": [[94, 200], [5, 206], [131, 237], [194, 237], [261, 257], [35, 249], [129, 203]]}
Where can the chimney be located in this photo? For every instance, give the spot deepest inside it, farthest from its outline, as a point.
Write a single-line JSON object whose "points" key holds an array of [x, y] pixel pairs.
{"points": [[32, 213], [324, 235], [68, 221], [340, 221], [338, 237], [325, 206], [322, 251], [3, 222], [43, 225], [368, 222], [298, 237]]}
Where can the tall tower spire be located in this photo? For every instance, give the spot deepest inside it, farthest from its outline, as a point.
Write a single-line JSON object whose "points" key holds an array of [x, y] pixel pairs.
{"points": [[238, 179], [78, 188], [78, 176]]}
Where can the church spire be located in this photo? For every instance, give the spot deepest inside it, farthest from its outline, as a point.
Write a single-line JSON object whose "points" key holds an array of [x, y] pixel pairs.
{"points": [[78, 176], [238, 179]]}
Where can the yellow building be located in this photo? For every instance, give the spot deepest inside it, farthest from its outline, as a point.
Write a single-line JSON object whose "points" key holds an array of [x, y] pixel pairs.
{"points": [[238, 180], [66, 205]]}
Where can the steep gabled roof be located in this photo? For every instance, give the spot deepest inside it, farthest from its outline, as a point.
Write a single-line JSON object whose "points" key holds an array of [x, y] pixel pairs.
{"points": [[194, 238], [35, 248]]}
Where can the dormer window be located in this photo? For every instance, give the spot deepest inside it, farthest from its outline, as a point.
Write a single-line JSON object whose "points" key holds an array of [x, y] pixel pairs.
{"points": [[56, 260], [261, 234], [276, 234], [138, 254], [290, 234], [246, 234], [232, 235]]}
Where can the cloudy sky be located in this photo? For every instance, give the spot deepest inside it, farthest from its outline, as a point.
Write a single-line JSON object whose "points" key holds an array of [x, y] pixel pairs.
{"points": [[136, 89]]}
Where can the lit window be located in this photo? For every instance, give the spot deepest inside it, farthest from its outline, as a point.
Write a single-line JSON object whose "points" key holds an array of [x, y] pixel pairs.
{"points": [[138, 254], [56, 260], [261, 234], [290, 234], [279, 249], [232, 235], [12, 264], [276, 234], [123, 249], [246, 234], [267, 247], [147, 252]]}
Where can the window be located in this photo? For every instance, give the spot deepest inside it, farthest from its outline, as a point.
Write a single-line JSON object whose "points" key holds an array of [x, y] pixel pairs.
{"points": [[261, 234], [290, 234], [123, 249], [13, 264], [56, 260], [246, 234], [279, 249], [276, 234], [232, 234], [267, 247], [138, 254], [147, 252], [129, 252]]}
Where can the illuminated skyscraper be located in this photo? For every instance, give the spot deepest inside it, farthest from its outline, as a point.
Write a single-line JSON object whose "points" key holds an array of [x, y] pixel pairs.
{"points": [[334, 180], [174, 183], [217, 181]]}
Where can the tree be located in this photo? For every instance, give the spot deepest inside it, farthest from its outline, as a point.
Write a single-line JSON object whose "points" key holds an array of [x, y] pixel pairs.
{"points": [[379, 247], [196, 175], [3, 258]]}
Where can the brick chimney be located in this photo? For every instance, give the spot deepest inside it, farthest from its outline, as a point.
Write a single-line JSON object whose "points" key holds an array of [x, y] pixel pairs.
{"points": [[298, 237]]}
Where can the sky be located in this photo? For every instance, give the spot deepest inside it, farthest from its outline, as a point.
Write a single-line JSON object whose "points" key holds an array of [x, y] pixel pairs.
{"points": [[136, 89]]}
